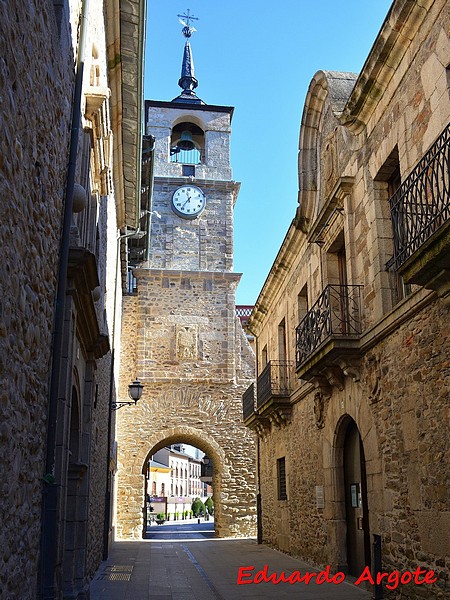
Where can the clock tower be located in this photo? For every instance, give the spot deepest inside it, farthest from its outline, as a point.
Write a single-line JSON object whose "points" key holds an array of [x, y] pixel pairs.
{"points": [[181, 336]]}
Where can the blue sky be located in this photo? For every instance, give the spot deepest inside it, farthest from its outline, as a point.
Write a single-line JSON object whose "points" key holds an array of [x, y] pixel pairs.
{"points": [[260, 58]]}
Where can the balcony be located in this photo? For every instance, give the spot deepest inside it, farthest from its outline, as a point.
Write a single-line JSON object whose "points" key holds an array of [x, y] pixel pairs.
{"points": [[244, 312], [271, 403], [420, 211], [248, 404], [327, 339], [273, 391]]}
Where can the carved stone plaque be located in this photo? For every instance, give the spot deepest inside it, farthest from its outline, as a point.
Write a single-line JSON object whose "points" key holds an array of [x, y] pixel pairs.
{"points": [[186, 342]]}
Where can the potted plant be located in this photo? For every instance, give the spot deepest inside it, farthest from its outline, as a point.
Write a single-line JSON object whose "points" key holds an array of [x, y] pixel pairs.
{"points": [[160, 518]]}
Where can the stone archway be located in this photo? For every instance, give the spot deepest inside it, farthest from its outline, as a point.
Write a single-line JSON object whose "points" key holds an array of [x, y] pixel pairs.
{"points": [[196, 438], [234, 516]]}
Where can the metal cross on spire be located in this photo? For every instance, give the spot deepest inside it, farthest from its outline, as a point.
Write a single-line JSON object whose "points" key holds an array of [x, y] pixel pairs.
{"points": [[187, 29]]}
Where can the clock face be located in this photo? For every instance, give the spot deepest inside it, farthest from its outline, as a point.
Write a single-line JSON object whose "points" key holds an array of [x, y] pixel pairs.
{"points": [[188, 201]]}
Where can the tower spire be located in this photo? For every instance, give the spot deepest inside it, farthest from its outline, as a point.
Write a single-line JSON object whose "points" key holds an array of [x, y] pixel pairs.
{"points": [[187, 81]]}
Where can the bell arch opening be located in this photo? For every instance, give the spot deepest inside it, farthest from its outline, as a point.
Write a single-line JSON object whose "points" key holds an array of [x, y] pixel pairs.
{"points": [[187, 144]]}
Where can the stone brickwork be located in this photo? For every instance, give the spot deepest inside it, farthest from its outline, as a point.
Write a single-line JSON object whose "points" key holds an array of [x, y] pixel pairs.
{"points": [[392, 379], [54, 439], [181, 336], [200, 244], [34, 121]]}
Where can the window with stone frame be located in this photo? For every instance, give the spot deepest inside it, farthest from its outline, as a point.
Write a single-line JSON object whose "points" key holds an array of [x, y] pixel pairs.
{"points": [[264, 357], [389, 180], [302, 303], [281, 478], [282, 349]]}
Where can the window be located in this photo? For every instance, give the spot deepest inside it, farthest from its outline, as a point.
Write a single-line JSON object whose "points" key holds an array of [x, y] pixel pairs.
{"points": [[302, 303], [188, 170], [336, 261], [282, 341], [391, 176], [281, 478], [264, 357]]}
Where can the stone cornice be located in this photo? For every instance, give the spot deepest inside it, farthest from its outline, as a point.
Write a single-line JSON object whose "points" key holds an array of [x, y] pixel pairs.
{"points": [[223, 185], [141, 273], [287, 253], [335, 200], [399, 28], [125, 37]]}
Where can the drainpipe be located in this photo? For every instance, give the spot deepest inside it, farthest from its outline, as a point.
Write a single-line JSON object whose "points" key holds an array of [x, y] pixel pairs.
{"points": [[259, 529], [49, 531]]}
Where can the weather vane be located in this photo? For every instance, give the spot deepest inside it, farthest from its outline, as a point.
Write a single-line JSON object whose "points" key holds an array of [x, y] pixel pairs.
{"points": [[187, 30]]}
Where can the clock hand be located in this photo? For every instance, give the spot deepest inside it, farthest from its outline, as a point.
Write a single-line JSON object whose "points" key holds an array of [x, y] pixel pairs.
{"points": [[186, 202]]}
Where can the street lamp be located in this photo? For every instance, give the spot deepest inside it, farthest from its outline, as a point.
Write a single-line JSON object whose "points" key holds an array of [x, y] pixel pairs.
{"points": [[134, 391]]}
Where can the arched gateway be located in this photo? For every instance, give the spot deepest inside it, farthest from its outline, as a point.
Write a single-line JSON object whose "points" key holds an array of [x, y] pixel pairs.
{"points": [[180, 333]]}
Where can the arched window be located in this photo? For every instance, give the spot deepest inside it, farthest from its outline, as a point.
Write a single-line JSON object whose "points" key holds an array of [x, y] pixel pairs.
{"points": [[187, 144]]}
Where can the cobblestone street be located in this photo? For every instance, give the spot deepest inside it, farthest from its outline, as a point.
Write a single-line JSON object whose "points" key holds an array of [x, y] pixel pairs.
{"points": [[185, 562]]}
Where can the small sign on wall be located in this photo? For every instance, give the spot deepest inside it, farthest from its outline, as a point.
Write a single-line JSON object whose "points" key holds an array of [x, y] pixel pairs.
{"points": [[320, 497]]}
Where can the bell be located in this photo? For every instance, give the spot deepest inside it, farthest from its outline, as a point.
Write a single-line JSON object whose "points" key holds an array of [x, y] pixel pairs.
{"points": [[186, 142]]}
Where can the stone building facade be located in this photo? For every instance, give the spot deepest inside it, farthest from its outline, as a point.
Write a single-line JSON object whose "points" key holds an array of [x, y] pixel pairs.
{"points": [[181, 336], [352, 325], [64, 201]]}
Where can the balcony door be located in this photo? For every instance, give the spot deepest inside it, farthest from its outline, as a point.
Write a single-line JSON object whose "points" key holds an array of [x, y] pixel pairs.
{"points": [[337, 276], [356, 506], [282, 355]]}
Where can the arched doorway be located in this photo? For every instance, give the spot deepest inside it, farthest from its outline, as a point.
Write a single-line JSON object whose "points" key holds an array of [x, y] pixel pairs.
{"points": [[356, 505], [172, 479]]}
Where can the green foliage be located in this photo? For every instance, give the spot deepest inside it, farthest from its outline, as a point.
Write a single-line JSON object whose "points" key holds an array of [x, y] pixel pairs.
{"points": [[197, 507], [160, 517], [209, 504]]}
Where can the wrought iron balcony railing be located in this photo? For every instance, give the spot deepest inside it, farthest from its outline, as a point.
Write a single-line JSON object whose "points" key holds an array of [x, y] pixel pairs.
{"points": [[337, 312], [248, 402], [421, 205], [274, 381]]}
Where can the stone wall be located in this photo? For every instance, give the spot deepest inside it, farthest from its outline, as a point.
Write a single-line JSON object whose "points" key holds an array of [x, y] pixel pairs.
{"points": [[399, 406], [396, 386], [36, 81], [202, 243], [179, 337], [34, 121]]}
